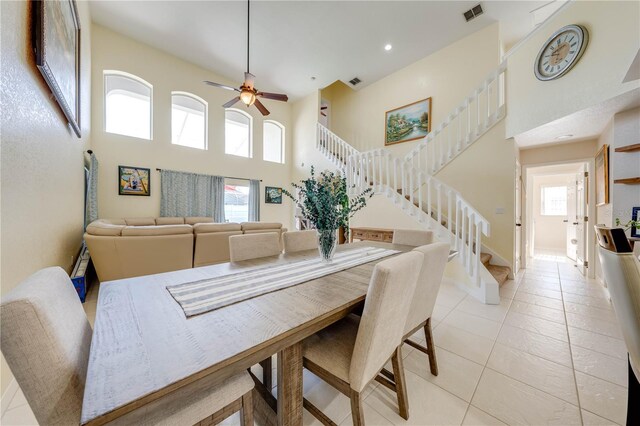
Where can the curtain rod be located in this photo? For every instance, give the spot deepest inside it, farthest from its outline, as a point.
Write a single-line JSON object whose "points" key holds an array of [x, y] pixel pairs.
{"points": [[226, 177]]}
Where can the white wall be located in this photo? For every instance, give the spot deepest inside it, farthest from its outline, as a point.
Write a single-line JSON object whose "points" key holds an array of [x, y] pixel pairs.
{"points": [[42, 165], [559, 152], [550, 232], [113, 51]]}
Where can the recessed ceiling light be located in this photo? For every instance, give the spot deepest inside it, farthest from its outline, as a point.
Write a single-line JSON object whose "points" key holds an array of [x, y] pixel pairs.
{"points": [[387, 47], [564, 137]]}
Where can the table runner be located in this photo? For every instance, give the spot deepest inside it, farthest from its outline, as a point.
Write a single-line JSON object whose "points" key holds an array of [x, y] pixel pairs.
{"points": [[209, 294]]}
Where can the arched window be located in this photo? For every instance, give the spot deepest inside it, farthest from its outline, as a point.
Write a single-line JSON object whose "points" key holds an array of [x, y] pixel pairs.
{"points": [[127, 105], [188, 120], [237, 133], [273, 141]]}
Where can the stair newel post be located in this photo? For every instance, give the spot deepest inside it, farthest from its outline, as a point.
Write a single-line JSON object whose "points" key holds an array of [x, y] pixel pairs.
{"points": [[479, 114], [460, 137], [395, 176], [363, 178], [429, 197], [463, 233], [381, 165], [449, 210], [488, 103], [478, 252], [468, 133], [457, 235], [386, 161], [420, 181], [439, 203], [411, 185], [470, 217]]}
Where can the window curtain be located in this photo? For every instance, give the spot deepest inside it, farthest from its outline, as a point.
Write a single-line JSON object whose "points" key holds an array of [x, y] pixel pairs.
{"points": [[191, 194], [91, 201], [254, 200]]}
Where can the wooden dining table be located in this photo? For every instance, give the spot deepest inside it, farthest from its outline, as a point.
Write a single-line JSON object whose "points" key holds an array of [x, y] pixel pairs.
{"points": [[144, 347]]}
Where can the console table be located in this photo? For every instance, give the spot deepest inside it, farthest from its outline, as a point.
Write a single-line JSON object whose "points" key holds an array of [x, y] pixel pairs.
{"points": [[372, 234]]}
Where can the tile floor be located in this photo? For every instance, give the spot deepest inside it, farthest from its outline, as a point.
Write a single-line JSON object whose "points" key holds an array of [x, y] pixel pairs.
{"points": [[550, 353]]}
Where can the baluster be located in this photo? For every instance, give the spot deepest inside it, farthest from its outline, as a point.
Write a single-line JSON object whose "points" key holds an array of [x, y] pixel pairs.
{"points": [[380, 165], [449, 211], [439, 203], [459, 138], [457, 236], [468, 137], [404, 180], [420, 180], [362, 176], [395, 176], [470, 217], [429, 198], [478, 252], [411, 187], [386, 162], [488, 104], [478, 107], [463, 233]]}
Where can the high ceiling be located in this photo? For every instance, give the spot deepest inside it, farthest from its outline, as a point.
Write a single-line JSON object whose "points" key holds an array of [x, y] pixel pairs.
{"points": [[293, 41]]}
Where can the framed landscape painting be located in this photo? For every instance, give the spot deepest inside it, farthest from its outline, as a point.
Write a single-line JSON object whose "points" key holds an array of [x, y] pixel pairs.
{"points": [[133, 181], [602, 176], [272, 195], [408, 123], [56, 39]]}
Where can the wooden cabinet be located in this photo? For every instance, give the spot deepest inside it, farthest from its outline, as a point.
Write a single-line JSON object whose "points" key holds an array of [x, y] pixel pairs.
{"points": [[372, 234]]}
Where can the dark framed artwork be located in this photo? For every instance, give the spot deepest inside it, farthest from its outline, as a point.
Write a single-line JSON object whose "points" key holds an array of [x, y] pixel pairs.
{"points": [[602, 176], [272, 195], [408, 123], [635, 215], [134, 181], [56, 40]]}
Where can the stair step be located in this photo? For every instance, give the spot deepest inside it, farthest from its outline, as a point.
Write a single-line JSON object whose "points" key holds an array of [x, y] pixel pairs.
{"points": [[500, 273], [485, 258]]}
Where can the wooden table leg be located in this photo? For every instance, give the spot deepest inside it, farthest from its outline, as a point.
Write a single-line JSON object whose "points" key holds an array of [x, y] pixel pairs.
{"points": [[290, 386]]}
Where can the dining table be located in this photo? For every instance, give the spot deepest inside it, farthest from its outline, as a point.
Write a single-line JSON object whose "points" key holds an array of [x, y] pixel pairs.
{"points": [[145, 347]]}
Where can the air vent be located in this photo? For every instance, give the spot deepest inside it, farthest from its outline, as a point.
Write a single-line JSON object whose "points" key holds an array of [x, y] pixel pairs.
{"points": [[354, 81], [473, 12]]}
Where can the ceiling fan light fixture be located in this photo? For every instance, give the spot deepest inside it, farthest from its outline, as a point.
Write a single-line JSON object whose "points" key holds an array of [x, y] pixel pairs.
{"points": [[247, 97]]}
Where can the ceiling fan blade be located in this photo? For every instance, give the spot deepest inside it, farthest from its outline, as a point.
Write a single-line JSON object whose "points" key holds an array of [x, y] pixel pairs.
{"points": [[249, 79], [261, 108], [231, 102], [222, 86], [274, 96]]}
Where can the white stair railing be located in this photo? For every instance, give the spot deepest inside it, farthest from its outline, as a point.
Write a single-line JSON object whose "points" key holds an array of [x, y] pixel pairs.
{"points": [[335, 149]]}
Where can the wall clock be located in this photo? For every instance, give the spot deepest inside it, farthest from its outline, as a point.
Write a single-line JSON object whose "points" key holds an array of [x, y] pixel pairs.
{"points": [[561, 52]]}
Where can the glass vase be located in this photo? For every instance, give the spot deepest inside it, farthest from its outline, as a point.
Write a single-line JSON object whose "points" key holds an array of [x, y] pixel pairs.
{"points": [[327, 243]]}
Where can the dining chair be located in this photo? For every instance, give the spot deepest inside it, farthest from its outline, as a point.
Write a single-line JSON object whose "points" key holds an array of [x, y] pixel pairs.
{"points": [[350, 353], [412, 237], [621, 272], [254, 246], [295, 241], [46, 339]]}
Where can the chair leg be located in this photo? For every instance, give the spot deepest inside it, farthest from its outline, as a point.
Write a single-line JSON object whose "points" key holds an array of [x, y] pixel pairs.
{"points": [[431, 348], [267, 373], [357, 414], [401, 386], [246, 412]]}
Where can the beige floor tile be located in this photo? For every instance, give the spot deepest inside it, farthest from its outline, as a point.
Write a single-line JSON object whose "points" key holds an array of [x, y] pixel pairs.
{"points": [[584, 289], [538, 311], [531, 289], [590, 419], [473, 324], [537, 325], [514, 402], [477, 417], [602, 398], [603, 366], [19, 416], [540, 283], [456, 374], [468, 345], [595, 325], [428, 404], [490, 312], [598, 342], [603, 314], [371, 417], [533, 299], [596, 302], [440, 312], [536, 344], [18, 400], [449, 296], [507, 293]]}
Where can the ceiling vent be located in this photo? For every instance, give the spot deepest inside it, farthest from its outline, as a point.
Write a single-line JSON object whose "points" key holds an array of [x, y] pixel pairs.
{"points": [[473, 12], [354, 81]]}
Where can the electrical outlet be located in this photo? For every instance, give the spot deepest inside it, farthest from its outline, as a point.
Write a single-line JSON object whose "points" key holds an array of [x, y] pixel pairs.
{"points": [[499, 210]]}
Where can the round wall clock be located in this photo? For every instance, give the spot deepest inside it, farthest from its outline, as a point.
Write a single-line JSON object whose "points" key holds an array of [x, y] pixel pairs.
{"points": [[561, 52]]}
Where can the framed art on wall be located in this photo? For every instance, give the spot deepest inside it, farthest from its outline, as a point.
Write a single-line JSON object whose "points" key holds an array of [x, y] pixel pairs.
{"points": [[602, 176], [56, 40], [408, 123], [272, 195], [134, 181]]}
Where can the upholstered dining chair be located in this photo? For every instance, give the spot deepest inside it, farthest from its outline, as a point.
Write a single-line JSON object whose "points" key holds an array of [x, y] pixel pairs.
{"points": [[300, 240], [412, 237], [350, 353], [46, 339], [254, 246]]}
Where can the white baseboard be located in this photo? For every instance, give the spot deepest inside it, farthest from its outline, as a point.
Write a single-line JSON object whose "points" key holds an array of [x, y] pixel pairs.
{"points": [[8, 395]]}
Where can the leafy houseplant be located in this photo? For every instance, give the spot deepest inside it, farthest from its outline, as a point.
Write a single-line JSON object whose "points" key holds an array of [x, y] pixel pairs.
{"points": [[629, 225], [325, 202]]}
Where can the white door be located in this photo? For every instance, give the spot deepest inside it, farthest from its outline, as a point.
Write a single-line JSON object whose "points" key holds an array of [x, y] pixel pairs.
{"points": [[518, 216], [571, 220], [581, 219]]}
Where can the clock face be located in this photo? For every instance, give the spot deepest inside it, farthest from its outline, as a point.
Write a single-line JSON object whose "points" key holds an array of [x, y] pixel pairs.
{"points": [[561, 52]]}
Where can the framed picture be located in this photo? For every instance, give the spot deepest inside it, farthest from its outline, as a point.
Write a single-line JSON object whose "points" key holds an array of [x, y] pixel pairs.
{"points": [[602, 176], [272, 195], [133, 181], [635, 215], [408, 123], [56, 38]]}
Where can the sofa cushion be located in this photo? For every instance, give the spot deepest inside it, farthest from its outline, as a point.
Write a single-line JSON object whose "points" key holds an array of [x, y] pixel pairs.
{"points": [[156, 230], [192, 220], [140, 221], [102, 227], [169, 220], [255, 226], [202, 228]]}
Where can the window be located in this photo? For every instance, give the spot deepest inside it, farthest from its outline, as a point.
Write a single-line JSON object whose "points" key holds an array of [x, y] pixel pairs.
{"points": [[188, 120], [273, 142], [236, 203], [127, 105], [237, 133], [554, 201]]}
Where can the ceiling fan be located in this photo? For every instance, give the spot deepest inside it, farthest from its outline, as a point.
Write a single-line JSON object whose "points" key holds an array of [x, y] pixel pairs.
{"points": [[248, 93]]}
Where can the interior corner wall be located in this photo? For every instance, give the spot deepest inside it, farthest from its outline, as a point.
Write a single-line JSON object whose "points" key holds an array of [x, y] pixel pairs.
{"points": [[595, 78], [167, 73], [42, 163]]}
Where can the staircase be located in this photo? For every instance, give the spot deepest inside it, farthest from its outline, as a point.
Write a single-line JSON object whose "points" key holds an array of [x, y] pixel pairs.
{"points": [[409, 182]]}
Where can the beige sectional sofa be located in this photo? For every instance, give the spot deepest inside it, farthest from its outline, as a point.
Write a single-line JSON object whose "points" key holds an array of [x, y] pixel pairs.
{"points": [[123, 248]]}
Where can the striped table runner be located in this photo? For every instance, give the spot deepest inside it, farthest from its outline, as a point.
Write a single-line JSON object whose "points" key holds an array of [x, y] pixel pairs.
{"points": [[213, 293]]}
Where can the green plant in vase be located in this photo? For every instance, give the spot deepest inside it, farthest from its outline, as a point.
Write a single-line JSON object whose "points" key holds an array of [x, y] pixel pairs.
{"points": [[629, 225], [324, 201]]}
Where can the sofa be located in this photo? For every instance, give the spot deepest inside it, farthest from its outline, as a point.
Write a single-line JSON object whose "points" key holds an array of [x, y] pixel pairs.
{"points": [[131, 247]]}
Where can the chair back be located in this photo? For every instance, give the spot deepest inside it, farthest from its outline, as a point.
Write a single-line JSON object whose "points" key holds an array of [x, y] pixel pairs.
{"points": [[412, 237], [254, 246], [385, 313], [46, 339], [622, 274], [429, 280], [300, 240]]}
